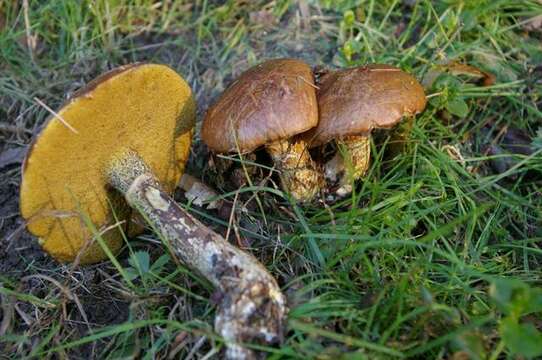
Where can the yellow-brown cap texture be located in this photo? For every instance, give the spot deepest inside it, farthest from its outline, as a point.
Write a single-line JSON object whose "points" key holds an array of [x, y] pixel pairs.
{"points": [[65, 198]]}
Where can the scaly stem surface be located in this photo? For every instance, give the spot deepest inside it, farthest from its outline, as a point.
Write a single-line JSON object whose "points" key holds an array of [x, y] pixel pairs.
{"points": [[299, 174], [251, 306], [350, 163]]}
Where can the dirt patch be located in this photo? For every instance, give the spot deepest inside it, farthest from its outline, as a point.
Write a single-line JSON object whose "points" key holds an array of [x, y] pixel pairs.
{"points": [[18, 248], [21, 259]]}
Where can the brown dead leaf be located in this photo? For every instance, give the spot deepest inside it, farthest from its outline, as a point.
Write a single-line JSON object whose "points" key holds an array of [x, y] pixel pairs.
{"points": [[460, 355], [483, 78], [178, 343]]}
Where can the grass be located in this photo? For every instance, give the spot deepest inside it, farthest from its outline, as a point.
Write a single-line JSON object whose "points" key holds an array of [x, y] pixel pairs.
{"points": [[435, 254]]}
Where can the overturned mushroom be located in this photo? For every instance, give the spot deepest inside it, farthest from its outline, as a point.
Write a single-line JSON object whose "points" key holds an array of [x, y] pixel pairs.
{"points": [[146, 108], [132, 132], [268, 105], [353, 102]]}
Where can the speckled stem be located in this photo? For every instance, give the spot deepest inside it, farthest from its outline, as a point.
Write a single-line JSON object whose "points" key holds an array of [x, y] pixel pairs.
{"points": [[251, 306], [350, 163], [299, 174]]}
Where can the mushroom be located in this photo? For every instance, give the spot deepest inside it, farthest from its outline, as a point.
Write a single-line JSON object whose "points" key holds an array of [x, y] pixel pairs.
{"points": [[146, 108], [268, 105], [130, 137], [353, 102]]}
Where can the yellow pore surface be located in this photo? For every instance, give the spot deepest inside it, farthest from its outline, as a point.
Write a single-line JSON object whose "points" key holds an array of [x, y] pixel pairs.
{"points": [[64, 193]]}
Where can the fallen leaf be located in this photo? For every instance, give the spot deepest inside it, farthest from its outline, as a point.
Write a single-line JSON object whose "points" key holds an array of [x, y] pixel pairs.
{"points": [[483, 78]]}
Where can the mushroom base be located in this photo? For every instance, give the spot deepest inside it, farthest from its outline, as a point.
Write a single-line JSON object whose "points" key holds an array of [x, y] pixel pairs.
{"points": [[251, 306], [349, 164], [299, 173]]}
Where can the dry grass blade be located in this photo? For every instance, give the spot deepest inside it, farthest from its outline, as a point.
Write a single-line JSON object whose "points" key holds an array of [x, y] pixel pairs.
{"points": [[56, 116], [66, 291], [8, 304], [31, 40]]}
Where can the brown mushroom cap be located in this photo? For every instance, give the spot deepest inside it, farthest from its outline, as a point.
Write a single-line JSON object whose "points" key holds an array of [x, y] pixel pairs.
{"points": [[144, 108], [358, 100], [271, 101]]}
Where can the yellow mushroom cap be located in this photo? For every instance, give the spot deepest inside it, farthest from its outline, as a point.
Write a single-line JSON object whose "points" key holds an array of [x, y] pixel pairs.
{"points": [[65, 197]]}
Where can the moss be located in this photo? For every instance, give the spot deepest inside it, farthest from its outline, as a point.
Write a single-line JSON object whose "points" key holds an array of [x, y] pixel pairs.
{"points": [[138, 109]]}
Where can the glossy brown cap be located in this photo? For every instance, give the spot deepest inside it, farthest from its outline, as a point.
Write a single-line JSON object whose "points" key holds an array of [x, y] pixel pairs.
{"points": [[358, 100], [271, 101]]}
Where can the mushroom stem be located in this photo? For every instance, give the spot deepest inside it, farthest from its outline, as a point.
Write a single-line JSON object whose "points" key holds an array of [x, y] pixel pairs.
{"points": [[251, 306], [299, 174], [351, 160]]}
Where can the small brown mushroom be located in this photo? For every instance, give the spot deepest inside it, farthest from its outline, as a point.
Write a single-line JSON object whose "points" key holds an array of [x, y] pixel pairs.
{"points": [[126, 145], [353, 102], [268, 105]]}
